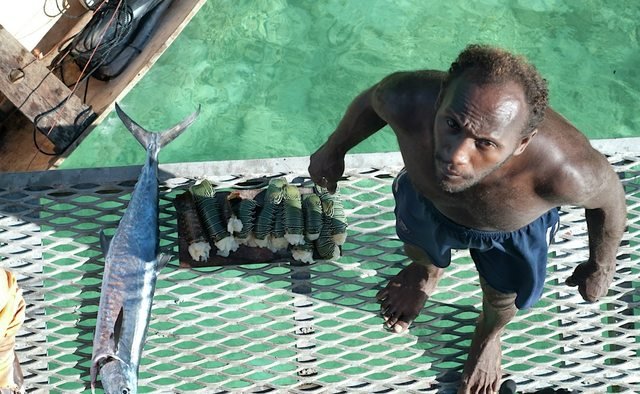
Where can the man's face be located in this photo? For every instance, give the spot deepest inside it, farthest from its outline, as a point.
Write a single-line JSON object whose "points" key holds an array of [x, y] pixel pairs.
{"points": [[477, 129]]}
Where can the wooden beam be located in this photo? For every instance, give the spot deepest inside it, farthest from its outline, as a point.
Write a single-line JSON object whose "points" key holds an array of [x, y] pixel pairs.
{"points": [[74, 18], [18, 151], [102, 95], [39, 95]]}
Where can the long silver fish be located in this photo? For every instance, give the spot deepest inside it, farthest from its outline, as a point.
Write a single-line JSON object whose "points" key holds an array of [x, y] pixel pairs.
{"points": [[131, 268]]}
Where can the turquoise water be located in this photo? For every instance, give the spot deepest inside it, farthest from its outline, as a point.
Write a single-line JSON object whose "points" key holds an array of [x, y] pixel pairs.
{"points": [[274, 77]]}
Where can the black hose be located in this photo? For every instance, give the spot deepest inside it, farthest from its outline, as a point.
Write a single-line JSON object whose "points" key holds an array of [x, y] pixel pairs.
{"points": [[141, 37]]}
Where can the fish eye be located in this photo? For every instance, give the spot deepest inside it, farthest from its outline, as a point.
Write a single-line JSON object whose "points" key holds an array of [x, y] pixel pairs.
{"points": [[125, 390]]}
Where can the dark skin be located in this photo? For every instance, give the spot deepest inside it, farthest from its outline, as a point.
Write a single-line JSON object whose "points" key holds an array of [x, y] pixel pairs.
{"points": [[467, 153]]}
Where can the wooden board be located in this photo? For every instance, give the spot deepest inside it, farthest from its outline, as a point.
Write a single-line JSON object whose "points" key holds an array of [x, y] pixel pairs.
{"points": [[17, 149], [102, 96], [75, 17], [244, 254], [29, 85]]}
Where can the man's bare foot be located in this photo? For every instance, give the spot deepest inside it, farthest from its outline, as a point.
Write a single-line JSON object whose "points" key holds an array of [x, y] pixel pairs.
{"points": [[482, 371], [404, 296]]}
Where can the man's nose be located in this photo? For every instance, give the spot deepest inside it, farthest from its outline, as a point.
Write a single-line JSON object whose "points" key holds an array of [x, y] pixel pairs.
{"points": [[457, 152]]}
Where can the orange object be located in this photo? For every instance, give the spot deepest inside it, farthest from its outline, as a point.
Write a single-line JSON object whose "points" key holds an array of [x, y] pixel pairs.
{"points": [[12, 313]]}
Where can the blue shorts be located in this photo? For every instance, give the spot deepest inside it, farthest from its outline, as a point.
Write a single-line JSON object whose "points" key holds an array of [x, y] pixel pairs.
{"points": [[510, 262]]}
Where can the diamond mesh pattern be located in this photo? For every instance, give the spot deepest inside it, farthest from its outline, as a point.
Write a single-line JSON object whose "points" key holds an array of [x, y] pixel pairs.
{"points": [[295, 328]]}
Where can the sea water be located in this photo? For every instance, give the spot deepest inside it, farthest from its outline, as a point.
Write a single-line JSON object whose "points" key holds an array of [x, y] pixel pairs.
{"points": [[274, 77]]}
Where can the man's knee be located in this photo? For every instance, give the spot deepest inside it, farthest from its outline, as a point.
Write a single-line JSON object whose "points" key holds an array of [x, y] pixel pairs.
{"points": [[415, 253], [497, 300], [419, 256]]}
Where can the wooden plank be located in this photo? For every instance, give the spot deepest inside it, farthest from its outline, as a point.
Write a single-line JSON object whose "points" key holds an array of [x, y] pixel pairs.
{"points": [[18, 152], [103, 95], [75, 17], [17, 149], [40, 95]]}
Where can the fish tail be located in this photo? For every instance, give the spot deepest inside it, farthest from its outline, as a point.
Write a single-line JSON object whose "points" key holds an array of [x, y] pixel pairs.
{"points": [[155, 141]]}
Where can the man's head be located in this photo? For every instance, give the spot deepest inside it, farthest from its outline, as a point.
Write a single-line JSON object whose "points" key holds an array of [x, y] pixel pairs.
{"points": [[489, 65], [489, 107]]}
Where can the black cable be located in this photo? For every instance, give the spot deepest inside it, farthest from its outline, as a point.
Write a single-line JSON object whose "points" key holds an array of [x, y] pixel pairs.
{"points": [[99, 52], [44, 9], [111, 44], [61, 10], [121, 30], [86, 90], [102, 49], [77, 123]]}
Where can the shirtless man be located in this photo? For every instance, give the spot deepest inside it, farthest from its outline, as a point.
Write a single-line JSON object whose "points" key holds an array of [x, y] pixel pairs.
{"points": [[487, 163]]}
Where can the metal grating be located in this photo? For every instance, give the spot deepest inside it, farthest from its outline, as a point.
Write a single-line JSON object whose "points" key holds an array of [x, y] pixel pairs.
{"points": [[301, 329]]}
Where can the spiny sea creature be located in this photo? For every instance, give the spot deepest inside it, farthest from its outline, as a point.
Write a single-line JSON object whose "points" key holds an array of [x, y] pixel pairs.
{"points": [[312, 213], [293, 218], [246, 215], [277, 240], [325, 244], [304, 252], [266, 218], [234, 225], [309, 225], [195, 236], [211, 214], [334, 215]]}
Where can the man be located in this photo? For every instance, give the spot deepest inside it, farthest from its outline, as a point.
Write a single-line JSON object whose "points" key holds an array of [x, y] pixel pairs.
{"points": [[487, 163]]}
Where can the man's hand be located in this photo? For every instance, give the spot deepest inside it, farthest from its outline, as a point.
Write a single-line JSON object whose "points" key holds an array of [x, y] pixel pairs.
{"points": [[593, 281], [326, 168]]}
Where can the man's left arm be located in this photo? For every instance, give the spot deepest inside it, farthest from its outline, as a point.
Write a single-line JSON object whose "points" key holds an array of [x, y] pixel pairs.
{"points": [[606, 214]]}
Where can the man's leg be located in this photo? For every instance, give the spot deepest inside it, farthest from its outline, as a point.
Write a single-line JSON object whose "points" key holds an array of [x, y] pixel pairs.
{"points": [[404, 296], [482, 370]]}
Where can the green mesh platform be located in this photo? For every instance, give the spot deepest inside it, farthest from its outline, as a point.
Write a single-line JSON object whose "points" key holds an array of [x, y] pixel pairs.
{"points": [[298, 329]]}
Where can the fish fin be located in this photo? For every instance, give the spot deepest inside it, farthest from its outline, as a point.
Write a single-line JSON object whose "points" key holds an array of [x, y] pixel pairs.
{"points": [[162, 138], [93, 371], [95, 366], [105, 242], [163, 260], [117, 327]]}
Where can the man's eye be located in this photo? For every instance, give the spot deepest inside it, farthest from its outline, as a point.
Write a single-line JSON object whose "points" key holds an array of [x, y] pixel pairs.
{"points": [[484, 143]]}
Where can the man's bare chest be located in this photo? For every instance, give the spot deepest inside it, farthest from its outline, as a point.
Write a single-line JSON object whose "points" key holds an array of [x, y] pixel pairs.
{"points": [[503, 207]]}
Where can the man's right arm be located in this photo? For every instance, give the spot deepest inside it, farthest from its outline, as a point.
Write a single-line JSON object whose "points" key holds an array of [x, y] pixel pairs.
{"points": [[358, 123]]}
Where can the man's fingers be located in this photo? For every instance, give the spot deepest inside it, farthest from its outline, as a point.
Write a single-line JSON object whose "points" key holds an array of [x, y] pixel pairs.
{"points": [[330, 186], [382, 294], [590, 297], [572, 282], [585, 296], [327, 184]]}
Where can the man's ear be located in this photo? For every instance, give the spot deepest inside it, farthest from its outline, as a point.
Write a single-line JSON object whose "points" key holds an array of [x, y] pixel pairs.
{"points": [[524, 142]]}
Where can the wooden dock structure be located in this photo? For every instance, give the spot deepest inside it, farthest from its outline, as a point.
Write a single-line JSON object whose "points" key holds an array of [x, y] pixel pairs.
{"points": [[42, 118]]}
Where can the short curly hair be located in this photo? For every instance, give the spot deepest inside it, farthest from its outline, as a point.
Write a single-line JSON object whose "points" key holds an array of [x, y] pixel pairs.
{"points": [[495, 65]]}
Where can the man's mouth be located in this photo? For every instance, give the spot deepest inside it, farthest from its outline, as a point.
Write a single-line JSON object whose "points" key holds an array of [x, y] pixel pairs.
{"points": [[448, 171], [451, 173]]}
